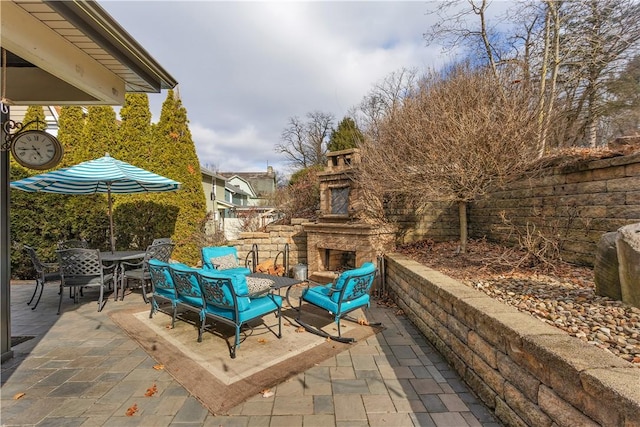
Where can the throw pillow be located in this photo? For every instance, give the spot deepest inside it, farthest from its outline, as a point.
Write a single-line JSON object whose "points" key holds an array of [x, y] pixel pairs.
{"points": [[224, 262], [258, 285]]}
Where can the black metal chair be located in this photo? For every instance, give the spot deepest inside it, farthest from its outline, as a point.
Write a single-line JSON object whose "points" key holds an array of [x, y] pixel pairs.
{"points": [[83, 268], [45, 272], [139, 271]]}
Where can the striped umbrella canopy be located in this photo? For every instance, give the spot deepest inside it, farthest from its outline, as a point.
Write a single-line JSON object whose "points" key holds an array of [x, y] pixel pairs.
{"points": [[104, 175]]}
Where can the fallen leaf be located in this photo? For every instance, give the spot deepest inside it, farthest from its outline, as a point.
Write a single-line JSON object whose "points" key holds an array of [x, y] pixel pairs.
{"points": [[132, 410], [158, 367], [18, 396], [268, 394], [167, 326], [262, 341], [362, 321], [300, 329], [151, 391]]}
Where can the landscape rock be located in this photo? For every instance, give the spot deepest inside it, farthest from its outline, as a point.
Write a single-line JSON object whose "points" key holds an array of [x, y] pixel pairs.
{"points": [[628, 249], [605, 268]]}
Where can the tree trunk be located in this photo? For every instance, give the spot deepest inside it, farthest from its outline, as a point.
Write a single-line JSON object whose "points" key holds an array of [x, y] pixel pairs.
{"points": [[462, 213]]}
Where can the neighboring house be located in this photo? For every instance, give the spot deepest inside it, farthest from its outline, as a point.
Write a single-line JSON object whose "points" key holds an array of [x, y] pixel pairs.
{"points": [[261, 185], [213, 186], [242, 191], [252, 194], [224, 203]]}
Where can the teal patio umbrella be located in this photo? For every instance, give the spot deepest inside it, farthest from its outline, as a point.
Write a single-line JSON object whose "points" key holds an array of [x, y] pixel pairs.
{"points": [[104, 175]]}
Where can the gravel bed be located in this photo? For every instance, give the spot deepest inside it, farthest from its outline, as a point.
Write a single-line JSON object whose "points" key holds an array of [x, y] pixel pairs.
{"points": [[574, 308]]}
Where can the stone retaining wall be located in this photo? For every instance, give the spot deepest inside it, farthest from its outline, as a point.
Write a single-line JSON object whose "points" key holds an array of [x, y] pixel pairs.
{"points": [[576, 204], [528, 372]]}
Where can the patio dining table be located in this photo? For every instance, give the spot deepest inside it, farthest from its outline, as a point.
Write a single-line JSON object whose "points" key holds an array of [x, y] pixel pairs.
{"points": [[117, 257]]}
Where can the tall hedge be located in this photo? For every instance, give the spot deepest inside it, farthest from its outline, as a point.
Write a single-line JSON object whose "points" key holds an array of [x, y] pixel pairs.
{"points": [[174, 156]]}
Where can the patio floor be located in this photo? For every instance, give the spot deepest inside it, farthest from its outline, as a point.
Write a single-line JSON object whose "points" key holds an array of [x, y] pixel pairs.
{"points": [[80, 369]]}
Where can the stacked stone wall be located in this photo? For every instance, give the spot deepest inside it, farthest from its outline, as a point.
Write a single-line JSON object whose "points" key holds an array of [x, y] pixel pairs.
{"points": [[528, 372], [272, 242]]}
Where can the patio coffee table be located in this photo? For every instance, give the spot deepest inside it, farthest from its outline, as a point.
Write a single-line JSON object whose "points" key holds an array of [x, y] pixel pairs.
{"points": [[279, 282]]}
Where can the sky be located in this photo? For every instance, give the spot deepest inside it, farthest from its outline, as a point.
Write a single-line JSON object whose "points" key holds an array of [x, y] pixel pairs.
{"points": [[245, 68]]}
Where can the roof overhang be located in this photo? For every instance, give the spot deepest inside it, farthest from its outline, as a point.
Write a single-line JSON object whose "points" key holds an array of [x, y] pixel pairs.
{"points": [[72, 53]]}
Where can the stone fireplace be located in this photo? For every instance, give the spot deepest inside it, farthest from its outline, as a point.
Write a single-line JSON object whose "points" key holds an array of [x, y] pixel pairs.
{"points": [[339, 241]]}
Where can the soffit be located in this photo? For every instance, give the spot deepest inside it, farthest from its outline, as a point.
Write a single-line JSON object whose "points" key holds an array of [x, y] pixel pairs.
{"points": [[72, 52]]}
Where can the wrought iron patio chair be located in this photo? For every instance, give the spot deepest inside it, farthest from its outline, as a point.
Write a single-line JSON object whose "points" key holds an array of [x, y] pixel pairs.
{"points": [[45, 272], [162, 288], [83, 268], [139, 271], [349, 292], [224, 298]]}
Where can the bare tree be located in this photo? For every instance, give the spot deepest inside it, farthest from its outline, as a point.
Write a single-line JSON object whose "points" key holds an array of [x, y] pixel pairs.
{"points": [[385, 97], [462, 133], [601, 37], [567, 50], [305, 143], [466, 24]]}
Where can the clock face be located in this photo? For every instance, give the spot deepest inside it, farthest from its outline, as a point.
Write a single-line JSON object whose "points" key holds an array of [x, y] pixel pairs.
{"points": [[36, 149]]}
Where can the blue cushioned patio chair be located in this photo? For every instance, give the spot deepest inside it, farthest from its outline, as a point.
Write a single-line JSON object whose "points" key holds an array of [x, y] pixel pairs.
{"points": [[162, 287], [226, 300], [189, 296], [349, 292], [223, 259]]}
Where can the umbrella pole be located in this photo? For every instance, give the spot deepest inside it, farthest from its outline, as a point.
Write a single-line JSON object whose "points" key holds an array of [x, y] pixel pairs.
{"points": [[113, 242]]}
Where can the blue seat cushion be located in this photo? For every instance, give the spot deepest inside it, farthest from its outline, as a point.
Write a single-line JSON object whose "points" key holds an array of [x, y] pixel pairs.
{"points": [[257, 308], [319, 296]]}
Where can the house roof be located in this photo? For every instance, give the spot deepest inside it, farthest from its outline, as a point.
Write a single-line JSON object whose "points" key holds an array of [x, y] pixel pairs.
{"points": [[72, 53], [263, 183], [236, 189], [212, 174]]}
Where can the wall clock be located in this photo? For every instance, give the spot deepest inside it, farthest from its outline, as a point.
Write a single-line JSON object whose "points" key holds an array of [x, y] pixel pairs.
{"points": [[36, 149]]}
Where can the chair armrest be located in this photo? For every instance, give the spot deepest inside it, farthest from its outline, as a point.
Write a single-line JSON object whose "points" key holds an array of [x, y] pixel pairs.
{"points": [[124, 264], [108, 268], [332, 288], [50, 265]]}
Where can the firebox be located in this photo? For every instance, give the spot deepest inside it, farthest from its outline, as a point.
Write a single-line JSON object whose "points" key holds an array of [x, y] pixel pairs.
{"points": [[336, 260]]}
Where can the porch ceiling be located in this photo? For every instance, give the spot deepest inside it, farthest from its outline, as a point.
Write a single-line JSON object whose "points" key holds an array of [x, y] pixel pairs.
{"points": [[72, 52]]}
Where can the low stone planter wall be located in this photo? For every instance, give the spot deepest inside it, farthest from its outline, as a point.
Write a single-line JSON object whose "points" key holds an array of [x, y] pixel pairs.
{"points": [[273, 241], [528, 372]]}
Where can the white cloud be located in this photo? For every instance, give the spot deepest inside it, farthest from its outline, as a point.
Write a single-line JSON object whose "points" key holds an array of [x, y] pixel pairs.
{"points": [[245, 68]]}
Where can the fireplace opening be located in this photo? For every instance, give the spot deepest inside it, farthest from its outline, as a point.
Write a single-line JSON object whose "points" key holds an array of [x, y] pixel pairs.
{"points": [[336, 260]]}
